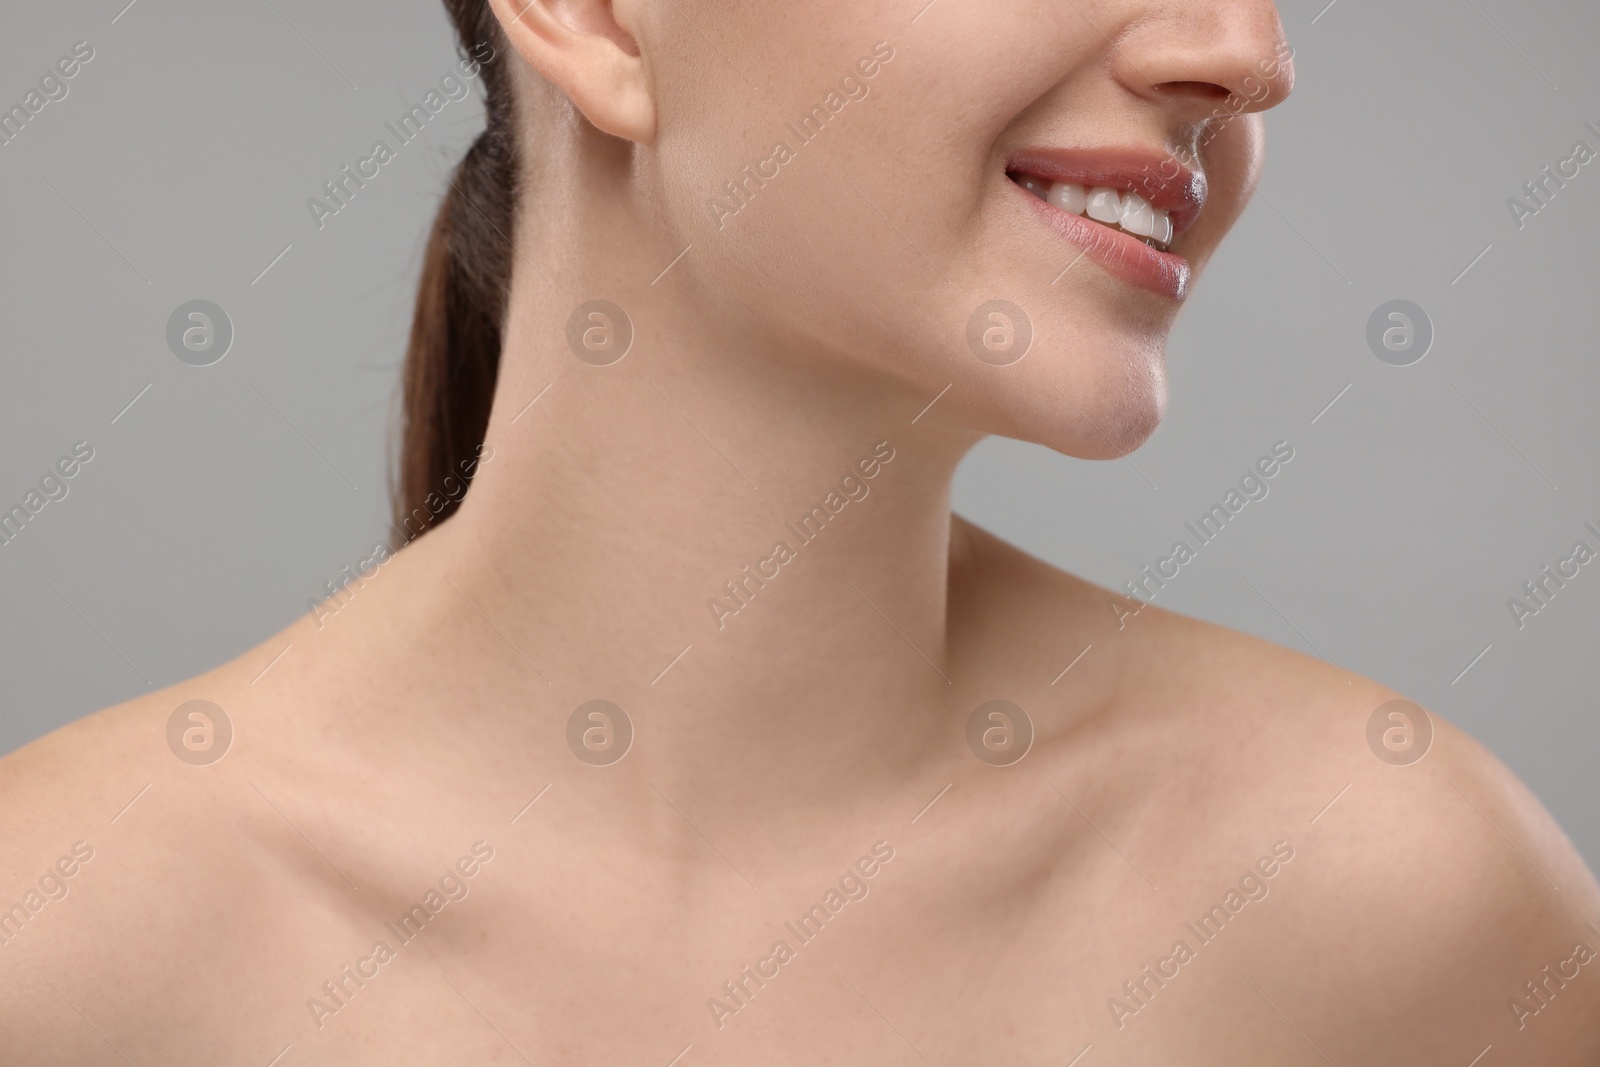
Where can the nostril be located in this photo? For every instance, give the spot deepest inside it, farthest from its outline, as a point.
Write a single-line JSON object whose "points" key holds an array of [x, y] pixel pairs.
{"points": [[1198, 90]]}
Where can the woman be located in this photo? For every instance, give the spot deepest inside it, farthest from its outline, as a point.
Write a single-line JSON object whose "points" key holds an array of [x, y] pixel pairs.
{"points": [[699, 731]]}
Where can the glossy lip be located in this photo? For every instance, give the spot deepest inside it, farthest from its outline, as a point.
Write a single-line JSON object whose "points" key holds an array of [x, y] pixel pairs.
{"points": [[1156, 176]]}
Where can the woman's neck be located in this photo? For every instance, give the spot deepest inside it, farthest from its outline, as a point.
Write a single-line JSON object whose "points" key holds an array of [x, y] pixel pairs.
{"points": [[755, 550]]}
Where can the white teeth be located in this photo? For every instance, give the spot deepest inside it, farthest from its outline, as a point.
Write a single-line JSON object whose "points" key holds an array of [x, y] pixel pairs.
{"points": [[1105, 205], [1138, 217], [1163, 233], [1069, 197], [1130, 212]]}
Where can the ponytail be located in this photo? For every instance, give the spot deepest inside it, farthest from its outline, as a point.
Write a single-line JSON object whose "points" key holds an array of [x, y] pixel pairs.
{"points": [[453, 354]]}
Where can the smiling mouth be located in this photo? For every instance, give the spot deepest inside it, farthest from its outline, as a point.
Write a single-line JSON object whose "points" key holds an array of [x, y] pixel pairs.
{"points": [[1124, 211]]}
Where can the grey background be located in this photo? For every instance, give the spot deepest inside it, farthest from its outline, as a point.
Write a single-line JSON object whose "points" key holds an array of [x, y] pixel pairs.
{"points": [[179, 166]]}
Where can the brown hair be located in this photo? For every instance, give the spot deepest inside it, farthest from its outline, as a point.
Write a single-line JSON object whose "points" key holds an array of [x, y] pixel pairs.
{"points": [[453, 355]]}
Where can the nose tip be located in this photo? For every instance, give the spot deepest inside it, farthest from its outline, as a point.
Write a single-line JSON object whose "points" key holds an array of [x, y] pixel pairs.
{"points": [[1255, 90], [1211, 59]]}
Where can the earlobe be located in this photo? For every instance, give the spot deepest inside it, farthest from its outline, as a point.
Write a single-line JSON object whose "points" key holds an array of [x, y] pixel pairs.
{"points": [[586, 49]]}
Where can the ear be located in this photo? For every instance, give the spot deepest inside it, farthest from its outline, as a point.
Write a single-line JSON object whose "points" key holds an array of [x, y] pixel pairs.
{"points": [[581, 48]]}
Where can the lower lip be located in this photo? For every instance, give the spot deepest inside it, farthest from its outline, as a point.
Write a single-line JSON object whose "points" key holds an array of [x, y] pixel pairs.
{"points": [[1120, 254]]}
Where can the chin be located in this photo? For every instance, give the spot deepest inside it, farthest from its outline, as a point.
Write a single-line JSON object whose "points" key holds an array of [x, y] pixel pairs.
{"points": [[1102, 408], [1103, 415]]}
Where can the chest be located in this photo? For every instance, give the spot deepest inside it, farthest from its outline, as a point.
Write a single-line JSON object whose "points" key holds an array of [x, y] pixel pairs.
{"points": [[901, 968]]}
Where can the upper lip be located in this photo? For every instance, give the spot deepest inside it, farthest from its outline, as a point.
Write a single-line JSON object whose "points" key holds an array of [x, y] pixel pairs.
{"points": [[1154, 175]]}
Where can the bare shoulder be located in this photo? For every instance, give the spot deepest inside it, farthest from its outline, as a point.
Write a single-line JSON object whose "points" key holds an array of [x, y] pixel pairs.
{"points": [[79, 790], [1433, 907], [104, 863], [91, 777], [60, 798], [1436, 907], [70, 782]]}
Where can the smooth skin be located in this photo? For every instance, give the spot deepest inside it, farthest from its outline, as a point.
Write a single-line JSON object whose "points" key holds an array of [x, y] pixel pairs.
{"points": [[830, 713]]}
